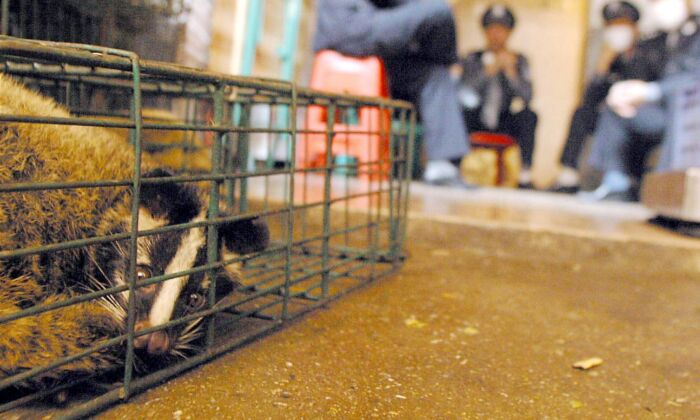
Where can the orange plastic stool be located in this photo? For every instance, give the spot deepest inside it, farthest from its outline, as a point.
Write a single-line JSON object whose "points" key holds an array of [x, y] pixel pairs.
{"points": [[368, 140], [493, 141]]}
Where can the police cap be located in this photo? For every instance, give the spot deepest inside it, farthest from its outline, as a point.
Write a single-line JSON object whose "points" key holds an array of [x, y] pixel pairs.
{"points": [[620, 10], [498, 13]]}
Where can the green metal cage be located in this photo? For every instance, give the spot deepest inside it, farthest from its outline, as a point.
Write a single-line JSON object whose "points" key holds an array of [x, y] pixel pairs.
{"points": [[334, 226]]}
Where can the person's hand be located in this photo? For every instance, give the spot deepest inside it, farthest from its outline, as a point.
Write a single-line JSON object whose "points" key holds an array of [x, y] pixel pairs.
{"points": [[490, 62], [508, 63], [626, 97], [607, 56]]}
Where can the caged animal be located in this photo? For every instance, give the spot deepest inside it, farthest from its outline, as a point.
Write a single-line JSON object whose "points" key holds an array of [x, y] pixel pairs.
{"points": [[31, 153]]}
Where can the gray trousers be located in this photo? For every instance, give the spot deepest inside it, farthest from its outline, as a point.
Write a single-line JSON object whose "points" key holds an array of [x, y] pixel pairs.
{"points": [[417, 41], [614, 138], [424, 28], [443, 126]]}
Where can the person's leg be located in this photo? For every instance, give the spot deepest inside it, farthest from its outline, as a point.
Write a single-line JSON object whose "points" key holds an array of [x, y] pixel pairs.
{"points": [[638, 152], [582, 126], [613, 134], [611, 144], [472, 120], [444, 133], [609, 139], [443, 126], [522, 127], [607, 155], [425, 29]]}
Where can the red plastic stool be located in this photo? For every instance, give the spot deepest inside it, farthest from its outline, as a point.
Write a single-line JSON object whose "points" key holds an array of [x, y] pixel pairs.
{"points": [[370, 127], [497, 142]]}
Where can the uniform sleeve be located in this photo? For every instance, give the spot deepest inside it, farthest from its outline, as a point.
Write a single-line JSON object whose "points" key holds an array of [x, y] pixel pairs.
{"points": [[599, 85], [473, 75], [522, 86], [596, 90], [654, 56]]}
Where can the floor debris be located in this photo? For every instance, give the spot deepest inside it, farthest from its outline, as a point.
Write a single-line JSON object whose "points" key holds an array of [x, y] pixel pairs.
{"points": [[588, 363]]}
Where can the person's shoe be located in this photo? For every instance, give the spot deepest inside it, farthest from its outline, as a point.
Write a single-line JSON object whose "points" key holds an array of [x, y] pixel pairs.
{"points": [[443, 173], [604, 193], [525, 179], [439, 172], [616, 186], [568, 181]]}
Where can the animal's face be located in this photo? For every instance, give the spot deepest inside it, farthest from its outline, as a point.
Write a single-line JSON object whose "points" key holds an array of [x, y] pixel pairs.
{"points": [[170, 253]]}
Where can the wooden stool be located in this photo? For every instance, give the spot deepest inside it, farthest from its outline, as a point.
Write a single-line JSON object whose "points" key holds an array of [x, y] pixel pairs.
{"points": [[499, 144]]}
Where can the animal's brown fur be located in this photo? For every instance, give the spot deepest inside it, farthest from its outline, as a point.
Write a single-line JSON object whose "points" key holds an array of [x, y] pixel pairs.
{"points": [[198, 159], [52, 153], [38, 153]]}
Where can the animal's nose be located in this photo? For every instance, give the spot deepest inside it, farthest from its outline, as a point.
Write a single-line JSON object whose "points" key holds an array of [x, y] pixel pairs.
{"points": [[141, 342], [157, 342]]}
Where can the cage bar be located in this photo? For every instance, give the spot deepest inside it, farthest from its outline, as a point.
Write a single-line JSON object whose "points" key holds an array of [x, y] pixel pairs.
{"points": [[331, 230]]}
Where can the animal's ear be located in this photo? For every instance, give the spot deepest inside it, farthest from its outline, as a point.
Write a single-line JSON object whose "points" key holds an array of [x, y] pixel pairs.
{"points": [[178, 203], [245, 236]]}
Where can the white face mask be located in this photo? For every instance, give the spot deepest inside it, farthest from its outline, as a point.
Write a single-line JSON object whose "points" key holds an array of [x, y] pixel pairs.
{"points": [[619, 37], [669, 15]]}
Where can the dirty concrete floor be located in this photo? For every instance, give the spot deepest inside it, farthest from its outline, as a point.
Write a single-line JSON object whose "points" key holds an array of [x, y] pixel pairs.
{"points": [[480, 323]]}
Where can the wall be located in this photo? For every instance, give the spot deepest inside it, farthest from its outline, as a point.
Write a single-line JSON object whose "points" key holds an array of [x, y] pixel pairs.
{"points": [[227, 42], [552, 34], [267, 61], [195, 33], [223, 32]]}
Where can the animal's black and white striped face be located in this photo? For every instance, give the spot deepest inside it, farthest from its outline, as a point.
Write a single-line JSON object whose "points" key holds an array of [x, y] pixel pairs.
{"points": [[169, 254]]}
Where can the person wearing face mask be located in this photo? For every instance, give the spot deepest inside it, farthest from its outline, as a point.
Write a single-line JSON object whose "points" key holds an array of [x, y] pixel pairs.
{"points": [[416, 39], [624, 57], [639, 108], [496, 88]]}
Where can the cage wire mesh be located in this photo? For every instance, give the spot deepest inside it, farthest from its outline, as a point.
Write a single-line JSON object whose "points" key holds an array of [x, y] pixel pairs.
{"points": [[336, 212]]}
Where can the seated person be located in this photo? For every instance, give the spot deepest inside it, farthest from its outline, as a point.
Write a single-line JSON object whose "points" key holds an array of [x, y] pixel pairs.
{"points": [[495, 87], [624, 57], [636, 107], [417, 41]]}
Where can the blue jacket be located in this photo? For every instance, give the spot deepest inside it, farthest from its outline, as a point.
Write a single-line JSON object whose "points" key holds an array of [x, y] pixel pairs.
{"points": [[683, 63]]}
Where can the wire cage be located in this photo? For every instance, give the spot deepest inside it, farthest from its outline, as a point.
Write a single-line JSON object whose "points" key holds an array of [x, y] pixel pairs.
{"points": [[333, 227]]}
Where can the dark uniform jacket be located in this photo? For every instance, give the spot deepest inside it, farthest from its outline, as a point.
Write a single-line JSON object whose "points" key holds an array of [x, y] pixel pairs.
{"points": [[475, 79], [646, 62]]}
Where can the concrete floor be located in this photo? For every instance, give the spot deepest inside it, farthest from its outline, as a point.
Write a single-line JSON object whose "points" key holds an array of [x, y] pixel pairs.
{"points": [[502, 293]]}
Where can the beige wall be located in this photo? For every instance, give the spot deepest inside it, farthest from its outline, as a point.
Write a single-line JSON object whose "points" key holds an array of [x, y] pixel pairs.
{"points": [[222, 35], [551, 33], [228, 31]]}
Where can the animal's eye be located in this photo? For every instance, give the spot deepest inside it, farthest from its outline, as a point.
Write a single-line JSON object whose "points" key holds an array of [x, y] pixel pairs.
{"points": [[143, 272], [196, 301]]}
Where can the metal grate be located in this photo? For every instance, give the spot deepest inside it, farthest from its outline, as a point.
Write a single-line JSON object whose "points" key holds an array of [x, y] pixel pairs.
{"points": [[50, 20], [335, 225]]}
